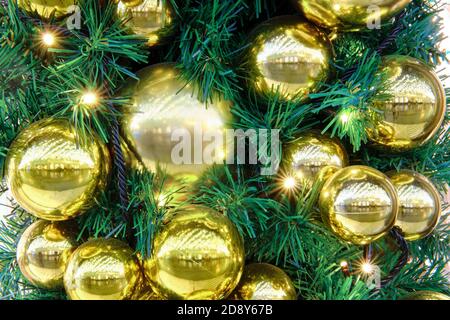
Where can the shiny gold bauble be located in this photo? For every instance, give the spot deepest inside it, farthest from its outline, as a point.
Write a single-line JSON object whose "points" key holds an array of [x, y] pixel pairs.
{"points": [[199, 254], [146, 18], [309, 154], [102, 269], [415, 108], [420, 204], [359, 204], [288, 55], [163, 106], [426, 295], [43, 251], [262, 281], [350, 14], [50, 175], [45, 8]]}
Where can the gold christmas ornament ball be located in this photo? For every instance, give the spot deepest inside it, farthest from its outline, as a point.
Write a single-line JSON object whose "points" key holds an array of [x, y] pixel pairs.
{"points": [[102, 269], [420, 204], [45, 8], [199, 254], [146, 17], [51, 175], [288, 56], [426, 295], [350, 15], [166, 124], [359, 204], [44, 250], [262, 281], [414, 109]]}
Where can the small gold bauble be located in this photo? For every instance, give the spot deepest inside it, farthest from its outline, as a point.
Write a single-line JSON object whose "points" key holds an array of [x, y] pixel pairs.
{"points": [[262, 281], [359, 204], [50, 175], [426, 295], [43, 251], [420, 205], [102, 269], [288, 55], [45, 8], [350, 14], [146, 17], [164, 117], [199, 254], [415, 108]]}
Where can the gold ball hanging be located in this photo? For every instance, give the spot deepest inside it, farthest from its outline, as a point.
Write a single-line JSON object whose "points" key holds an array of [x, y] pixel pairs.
{"points": [[359, 204], [426, 295], [420, 205], [43, 251], [262, 281], [350, 14], [50, 175], [414, 110], [102, 269], [46, 8], [288, 55], [199, 254]]}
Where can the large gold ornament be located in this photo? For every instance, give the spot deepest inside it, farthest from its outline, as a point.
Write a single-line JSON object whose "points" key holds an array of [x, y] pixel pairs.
{"points": [[288, 55], [420, 205], [262, 281], [50, 175], [165, 117], [359, 204], [199, 254], [350, 14], [102, 269], [146, 17], [43, 251], [45, 8], [426, 295], [415, 107]]}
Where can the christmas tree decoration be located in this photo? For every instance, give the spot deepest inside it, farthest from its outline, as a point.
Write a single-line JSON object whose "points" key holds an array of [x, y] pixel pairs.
{"points": [[420, 204], [350, 14], [426, 295], [414, 108], [102, 269], [51, 175], [359, 204], [45, 8], [44, 250], [146, 17], [262, 281], [289, 56], [166, 124], [145, 292], [199, 254]]}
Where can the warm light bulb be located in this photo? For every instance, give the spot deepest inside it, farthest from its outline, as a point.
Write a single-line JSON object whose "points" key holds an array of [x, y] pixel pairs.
{"points": [[367, 267], [48, 39], [89, 98], [344, 264], [345, 117], [289, 183]]}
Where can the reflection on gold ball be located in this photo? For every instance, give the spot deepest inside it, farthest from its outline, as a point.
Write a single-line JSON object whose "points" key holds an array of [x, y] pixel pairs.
{"points": [[426, 295], [45, 8], [199, 254], [415, 108], [43, 251], [102, 269], [50, 175], [146, 293], [359, 204], [162, 109], [262, 281], [288, 55], [350, 14], [420, 205]]}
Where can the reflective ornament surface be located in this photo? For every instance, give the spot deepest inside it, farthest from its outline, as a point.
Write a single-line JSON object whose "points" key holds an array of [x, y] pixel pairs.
{"points": [[164, 108], [288, 55], [359, 204], [426, 295], [350, 14], [198, 255], [50, 175], [262, 281], [45, 8], [102, 269], [420, 204], [43, 251], [146, 18], [414, 109]]}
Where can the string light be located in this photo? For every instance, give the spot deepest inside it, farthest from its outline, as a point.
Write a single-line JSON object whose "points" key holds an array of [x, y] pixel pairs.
{"points": [[345, 116], [48, 39], [367, 267], [289, 183], [89, 98], [344, 264]]}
